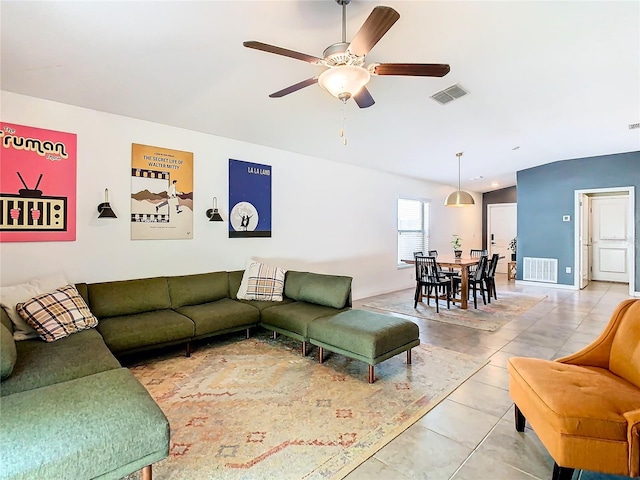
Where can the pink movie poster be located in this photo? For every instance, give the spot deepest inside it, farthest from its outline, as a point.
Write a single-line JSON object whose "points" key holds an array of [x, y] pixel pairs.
{"points": [[37, 184]]}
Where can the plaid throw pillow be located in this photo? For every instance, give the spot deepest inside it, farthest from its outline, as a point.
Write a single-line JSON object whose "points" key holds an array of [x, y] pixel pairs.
{"points": [[263, 282], [57, 314]]}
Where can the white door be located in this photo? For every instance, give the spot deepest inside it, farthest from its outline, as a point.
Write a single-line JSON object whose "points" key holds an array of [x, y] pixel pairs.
{"points": [[610, 238], [502, 226], [585, 240]]}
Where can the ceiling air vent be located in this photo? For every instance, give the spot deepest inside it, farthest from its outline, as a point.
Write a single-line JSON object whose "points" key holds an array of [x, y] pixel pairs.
{"points": [[633, 126], [449, 94]]}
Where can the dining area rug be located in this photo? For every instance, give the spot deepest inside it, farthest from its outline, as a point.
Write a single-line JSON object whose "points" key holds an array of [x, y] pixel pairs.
{"points": [[257, 409], [489, 317]]}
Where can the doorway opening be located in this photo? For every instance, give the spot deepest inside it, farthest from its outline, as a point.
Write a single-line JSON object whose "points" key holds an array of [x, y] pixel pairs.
{"points": [[605, 236], [502, 227]]}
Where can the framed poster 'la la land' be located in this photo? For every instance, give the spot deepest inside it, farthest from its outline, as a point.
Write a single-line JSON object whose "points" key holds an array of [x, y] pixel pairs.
{"points": [[161, 193], [249, 199]]}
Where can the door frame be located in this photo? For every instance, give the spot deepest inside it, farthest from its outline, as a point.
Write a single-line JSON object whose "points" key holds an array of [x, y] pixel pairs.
{"points": [[631, 257], [488, 239]]}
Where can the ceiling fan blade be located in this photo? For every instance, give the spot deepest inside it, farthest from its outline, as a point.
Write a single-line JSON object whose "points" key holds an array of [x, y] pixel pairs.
{"points": [[294, 88], [363, 98], [410, 69], [373, 29], [265, 47]]}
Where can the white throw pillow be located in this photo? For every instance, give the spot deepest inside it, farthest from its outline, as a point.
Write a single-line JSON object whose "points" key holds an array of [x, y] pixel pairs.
{"points": [[49, 283], [242, 291], [262, 282], [12, 295]]}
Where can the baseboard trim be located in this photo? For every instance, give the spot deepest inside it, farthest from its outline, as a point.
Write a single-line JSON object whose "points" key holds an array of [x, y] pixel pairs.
{"points": [[559, 286]]}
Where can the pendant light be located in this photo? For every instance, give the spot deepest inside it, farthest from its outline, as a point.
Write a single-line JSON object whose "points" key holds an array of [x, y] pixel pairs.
{"points": [[459, 198]]}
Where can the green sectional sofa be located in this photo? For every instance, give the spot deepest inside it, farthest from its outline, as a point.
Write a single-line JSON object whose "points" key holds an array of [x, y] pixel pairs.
{"points": [[68, 408]]}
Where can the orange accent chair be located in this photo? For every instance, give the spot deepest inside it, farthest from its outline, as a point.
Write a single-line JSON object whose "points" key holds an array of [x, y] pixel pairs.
{"points": [[585, 407]]}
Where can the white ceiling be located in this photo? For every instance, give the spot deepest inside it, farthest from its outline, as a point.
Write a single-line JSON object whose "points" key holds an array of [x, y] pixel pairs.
{"points": [[558, 79]]}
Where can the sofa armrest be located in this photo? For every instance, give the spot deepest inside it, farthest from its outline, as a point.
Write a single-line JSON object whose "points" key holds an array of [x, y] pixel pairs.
{"points": [[597, 353], [633, 437]]}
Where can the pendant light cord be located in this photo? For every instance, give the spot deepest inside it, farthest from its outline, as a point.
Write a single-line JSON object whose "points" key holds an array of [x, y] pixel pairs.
{"points": [[459, 155]]}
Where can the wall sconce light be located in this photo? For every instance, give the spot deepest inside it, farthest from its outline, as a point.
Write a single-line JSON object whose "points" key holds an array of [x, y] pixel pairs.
{"points": [[213, 214], [104, 208]]}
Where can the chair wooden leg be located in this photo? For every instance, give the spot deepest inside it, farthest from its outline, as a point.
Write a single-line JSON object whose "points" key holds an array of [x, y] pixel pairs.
{"points": [[520, 420], [320, 354], [304, 349], [436, 300], [416, 296], [409, 357], [561, 473], [275, 335], [448, 290], [372, 374], [188, 350], [248, 333], [475, 297], [146, 473], [484, 300]]}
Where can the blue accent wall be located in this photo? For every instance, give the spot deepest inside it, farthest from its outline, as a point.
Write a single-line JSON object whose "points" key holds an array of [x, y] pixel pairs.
{"points": [[547, 192]]}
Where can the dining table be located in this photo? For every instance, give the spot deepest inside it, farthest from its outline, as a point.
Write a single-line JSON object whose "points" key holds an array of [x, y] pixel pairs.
{"points": [[461, 263]]}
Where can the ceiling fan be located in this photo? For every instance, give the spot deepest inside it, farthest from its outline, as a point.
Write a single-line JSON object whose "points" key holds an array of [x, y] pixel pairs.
{"points": [[346, 75]]}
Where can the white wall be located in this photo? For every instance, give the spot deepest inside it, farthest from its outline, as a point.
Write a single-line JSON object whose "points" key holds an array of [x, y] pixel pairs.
{"points": [[328, 217]]}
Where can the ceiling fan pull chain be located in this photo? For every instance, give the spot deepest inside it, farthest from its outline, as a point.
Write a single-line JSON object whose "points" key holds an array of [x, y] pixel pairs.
{"points": [[343, 121]]}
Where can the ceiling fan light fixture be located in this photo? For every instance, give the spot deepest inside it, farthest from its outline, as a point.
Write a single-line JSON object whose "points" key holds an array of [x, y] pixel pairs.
{"points": [[344, 81]]}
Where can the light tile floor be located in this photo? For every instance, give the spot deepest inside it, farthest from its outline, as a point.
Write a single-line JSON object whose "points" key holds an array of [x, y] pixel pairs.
{"points": [[471, 435]]}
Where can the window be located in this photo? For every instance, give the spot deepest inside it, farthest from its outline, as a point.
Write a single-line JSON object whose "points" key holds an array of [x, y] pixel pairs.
{"points": [[413, 227]]}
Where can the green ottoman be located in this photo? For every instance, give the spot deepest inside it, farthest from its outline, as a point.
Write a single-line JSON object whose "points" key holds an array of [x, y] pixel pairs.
{"points": [[366, 336]]}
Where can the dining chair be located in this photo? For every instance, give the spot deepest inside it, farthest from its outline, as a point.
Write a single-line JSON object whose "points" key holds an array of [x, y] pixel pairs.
{"points": [[476, 253], [490, 277], [417, 254], [443, 273], [427, 276], [476, 279]]}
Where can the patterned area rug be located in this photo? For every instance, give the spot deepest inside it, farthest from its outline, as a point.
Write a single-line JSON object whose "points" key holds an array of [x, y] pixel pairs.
{"points": [[488, 317], [257, 409]]}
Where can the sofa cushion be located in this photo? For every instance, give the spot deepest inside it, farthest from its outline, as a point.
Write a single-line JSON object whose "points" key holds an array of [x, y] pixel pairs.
{"points": [[5, 320], [261, 282], [58, 314], [127, 297], [235, 278], [88, 427], [133, 332], [367, 334], [597, 414], [11, 295], [260, 305], [295, 317], [83, 291], [40, 363], [221, 316], [293, 282], [7, 352], [197, 289], [328, 290]]}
